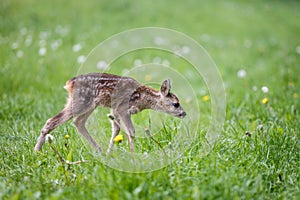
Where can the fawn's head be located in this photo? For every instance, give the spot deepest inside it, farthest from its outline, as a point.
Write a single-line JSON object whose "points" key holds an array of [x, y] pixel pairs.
{"points": [[168, 101]]}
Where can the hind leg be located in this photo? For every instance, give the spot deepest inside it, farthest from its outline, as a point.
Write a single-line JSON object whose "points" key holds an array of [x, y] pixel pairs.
{"points": [[51, 124], [79, 122], [115, 124]]}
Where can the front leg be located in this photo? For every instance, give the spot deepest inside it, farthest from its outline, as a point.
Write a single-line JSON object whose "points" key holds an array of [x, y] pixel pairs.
{"points": [[129, 128]]}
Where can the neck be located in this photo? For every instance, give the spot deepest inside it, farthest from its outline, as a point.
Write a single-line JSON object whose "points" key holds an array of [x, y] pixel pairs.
{"points": [[145, 98]]}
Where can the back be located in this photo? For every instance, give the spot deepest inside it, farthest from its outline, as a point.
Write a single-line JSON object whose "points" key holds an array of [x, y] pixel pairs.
{"points": [[100, 89]]}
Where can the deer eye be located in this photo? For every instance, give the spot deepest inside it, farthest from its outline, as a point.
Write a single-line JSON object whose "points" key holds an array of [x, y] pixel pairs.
{"points": [[176, 105]]}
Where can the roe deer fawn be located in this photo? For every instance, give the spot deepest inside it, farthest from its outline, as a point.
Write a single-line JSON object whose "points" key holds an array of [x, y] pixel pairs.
{"points": [[124, 95]]}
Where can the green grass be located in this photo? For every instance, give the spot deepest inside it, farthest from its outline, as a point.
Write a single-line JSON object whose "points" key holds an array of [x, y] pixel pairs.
{"points": [[258, 36]]}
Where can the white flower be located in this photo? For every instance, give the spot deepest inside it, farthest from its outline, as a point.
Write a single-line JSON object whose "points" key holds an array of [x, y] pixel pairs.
{"points": [[49, 138], [56, 181], [44, 35], [260, 127], [20, 53], [265, 89], [23, 31], [101, 64], [205, 37], [42, 51], [156, 60], [14, 45], [254, 88], [137, 62], [185, 49], [56, 44], [177, 50], [298, 49], [62, 30], [159, 40], [202, 92], [37, 195], [81, 59], [77, 47], [241, 73], [28, 40], [166, 62]]}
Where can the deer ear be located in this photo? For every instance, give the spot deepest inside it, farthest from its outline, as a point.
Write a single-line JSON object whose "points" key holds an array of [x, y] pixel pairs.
{"points": [[165, 87]]}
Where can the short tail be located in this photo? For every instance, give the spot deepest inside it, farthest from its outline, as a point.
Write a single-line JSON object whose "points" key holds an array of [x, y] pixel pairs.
{"points": [[70, 85]]}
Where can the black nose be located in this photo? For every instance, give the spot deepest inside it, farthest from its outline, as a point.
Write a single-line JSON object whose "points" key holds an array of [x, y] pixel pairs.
{"points": [[183, 114]]}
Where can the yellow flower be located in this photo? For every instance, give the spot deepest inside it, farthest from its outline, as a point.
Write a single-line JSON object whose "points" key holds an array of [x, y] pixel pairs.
{"points": [[118, 138], [67, 136], [205, 98], [295, 95], [188, 101], [148, 77], [265, 100], [291, 84]]}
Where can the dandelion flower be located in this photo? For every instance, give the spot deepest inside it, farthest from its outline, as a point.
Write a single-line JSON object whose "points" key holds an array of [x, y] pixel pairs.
{"points": [[156, 60], [81, 59], [205, 37], [44, 35], [205, 98], [254, 88], [56, 44], [37, 195], [137, 62], [166, 62], [101, 65], [241, 73], [118, 138], [185, 49], [295, 95], [298, 49], [49, 138], [42, 51], [67, 136], [188, 100], [20, 54], [15, 45], [265, 89], [23, 31], [291, 84], [260, 127], [159, 40], [265, 100], [77, 47], [56, 181], [28, 40], [62, 30], [148, 77]]}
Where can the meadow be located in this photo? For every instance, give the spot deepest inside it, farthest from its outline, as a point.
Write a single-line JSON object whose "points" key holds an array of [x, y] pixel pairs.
{"points": [[256, 47]]}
